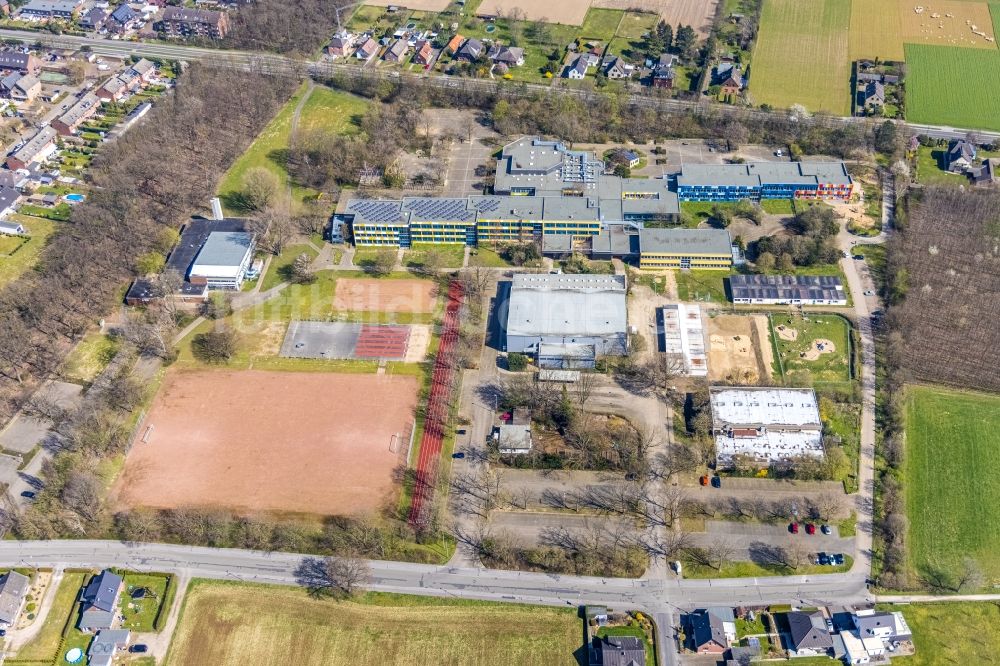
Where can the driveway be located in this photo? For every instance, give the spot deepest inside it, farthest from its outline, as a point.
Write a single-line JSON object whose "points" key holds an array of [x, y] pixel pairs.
{"points": [[463, 158]]}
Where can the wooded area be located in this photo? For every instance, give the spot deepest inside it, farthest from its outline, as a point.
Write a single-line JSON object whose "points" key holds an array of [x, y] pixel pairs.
{"points": [[284, 27], [145, 184]]}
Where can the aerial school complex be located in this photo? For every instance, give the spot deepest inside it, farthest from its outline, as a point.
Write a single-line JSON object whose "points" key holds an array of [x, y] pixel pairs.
{"points": [[566, 200]]}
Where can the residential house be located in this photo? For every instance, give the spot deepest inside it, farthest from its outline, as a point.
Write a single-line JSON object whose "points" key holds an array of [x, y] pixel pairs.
{"points": [[100, 601], [48, 9], [4, 8], [454, 44], [341, 45], [12, 228], [711, 630], [883, 625], [71, 119], [131, 79], [578, 70], [20, 88], [183, 22], [512, 56], [397, 52], [961, 154], [12, 179], [423, 52], [123, 19], [986, 174], [15, 61], [873, 96], [663, 72], [35, 150], [367, 50], [808, 633], [470, 51], [105, 645], [14, 585], [93, 19], [513, 438], [617, 651], [618, 69], [729, 79]]}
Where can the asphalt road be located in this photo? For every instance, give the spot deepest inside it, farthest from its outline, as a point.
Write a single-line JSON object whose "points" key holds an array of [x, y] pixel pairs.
{"points": [[286, 65]]}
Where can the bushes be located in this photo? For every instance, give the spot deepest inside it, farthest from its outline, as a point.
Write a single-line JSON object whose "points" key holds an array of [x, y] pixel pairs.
{"points": [[517, 362]]}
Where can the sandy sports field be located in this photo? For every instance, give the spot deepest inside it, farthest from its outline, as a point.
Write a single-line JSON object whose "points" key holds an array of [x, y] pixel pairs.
{"points": [[373, 295], [271, 441], [739, 348]]}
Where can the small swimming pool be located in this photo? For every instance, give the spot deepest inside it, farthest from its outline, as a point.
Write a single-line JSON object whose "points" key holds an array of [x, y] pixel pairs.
{"points": [[75, 198]]}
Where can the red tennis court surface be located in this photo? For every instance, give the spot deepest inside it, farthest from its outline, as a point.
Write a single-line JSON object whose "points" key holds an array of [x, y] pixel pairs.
{"points": [[437, 411], [382, 342]]}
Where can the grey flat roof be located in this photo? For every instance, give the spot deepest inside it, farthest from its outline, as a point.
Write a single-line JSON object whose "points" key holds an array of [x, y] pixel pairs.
{"points": [[533, 155], [787, 287], [615, 240], [557, 243], [753, 174], [566, 305], [508, 208], [224, 248], [569, 208], [764, 406], [685, 241]]}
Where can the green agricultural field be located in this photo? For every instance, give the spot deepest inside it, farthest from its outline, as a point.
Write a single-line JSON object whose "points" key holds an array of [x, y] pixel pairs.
{"points": [[876, 30], [227, 624], [801, 361], [952, 489], [801, 56], [951, 633], [936, 76]]}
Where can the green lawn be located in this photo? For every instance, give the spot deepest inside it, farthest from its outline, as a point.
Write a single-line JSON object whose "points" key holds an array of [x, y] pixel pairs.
{"points": [[486, 257], [601, 24], [230, 624], [778, 206], [693, 569], [58, 213], [140, 614], [707, 286], [951, 633], [44, 646], [12, 266], [89, 358], [830, 366], [333, 110], [451, 254], [276, 271], [801, 55], [936, 75], [952, 489], [929, 168]]}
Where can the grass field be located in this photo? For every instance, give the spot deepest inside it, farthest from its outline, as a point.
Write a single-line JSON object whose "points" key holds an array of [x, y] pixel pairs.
{"points": [[45, 645], [952, 489], [938, 75], [880, 28], [228, 624], [951, 633], [929, 171], [324, 109], [276, 269], [140, 614], [452, 254], [90, 357], [12, 266], [828, 367], [801, 56], [708, 286]]}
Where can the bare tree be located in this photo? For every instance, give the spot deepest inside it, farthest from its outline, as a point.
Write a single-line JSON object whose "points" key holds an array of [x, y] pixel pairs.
{"points": [[584, 387], [720, 552], [335, 576], [260, 188]]}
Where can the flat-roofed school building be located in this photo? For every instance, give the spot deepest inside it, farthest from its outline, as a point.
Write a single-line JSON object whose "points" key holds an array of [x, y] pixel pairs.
{"points": [[567, 321], [764, 180], [223, 260], [787, 290], [702, 249]]}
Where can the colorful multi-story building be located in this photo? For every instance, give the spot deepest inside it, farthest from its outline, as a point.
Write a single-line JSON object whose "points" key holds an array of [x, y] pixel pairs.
{"points": [[755, 181], [699, 249]]}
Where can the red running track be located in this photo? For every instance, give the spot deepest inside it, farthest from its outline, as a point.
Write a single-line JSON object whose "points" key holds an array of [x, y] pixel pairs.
{"points": [[438, 404]]}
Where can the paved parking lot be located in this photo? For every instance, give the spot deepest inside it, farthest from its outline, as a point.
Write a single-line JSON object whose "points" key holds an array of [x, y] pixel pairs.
{"points": [[528, 527], [744, 536], [463, 158]]}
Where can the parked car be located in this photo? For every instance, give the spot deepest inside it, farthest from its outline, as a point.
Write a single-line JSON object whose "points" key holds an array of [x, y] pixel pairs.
{"points": [[460, 431], [859, 257], [29, 494], [826, 529], [822, 559], [793, 528], [716, 481], [139, 648], [677, 567], [869, 292], [458, 455], [810, 528], [703, 480], [838, 559]]}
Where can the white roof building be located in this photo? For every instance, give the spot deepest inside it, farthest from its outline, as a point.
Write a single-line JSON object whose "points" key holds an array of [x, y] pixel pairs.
{"points": [[770, 425], [513, 438], [223, 260], [684, 337]]}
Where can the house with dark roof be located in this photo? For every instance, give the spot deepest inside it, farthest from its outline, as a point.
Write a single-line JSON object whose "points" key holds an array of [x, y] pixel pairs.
{"points": [[711, 630], [470, 51], [123, 19], [617, 651], [20, 87], [879, 624], [340, 45], [512, 56], [663, 72], [578, 70], [15, 61], [99, 608], [961, 154], [93, 19], [808, 633], [13, 589], [873, 96]]}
